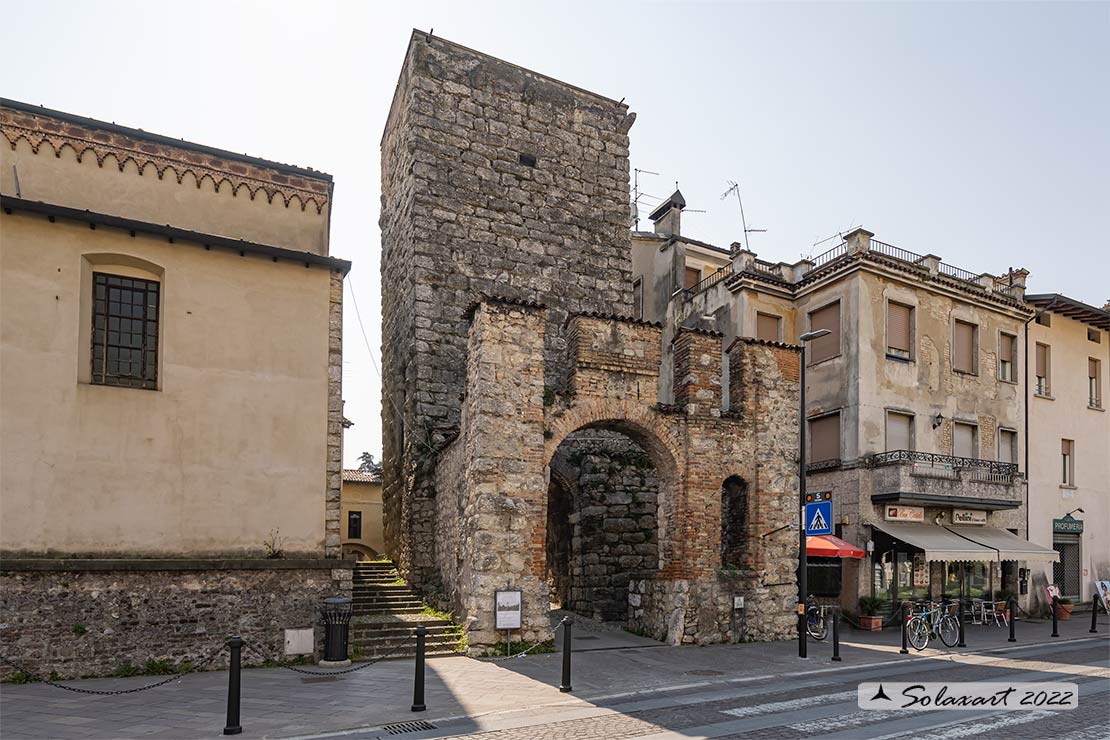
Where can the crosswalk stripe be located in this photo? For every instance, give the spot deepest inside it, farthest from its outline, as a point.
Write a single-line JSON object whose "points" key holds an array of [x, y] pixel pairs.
{"points": [[792, 704]]}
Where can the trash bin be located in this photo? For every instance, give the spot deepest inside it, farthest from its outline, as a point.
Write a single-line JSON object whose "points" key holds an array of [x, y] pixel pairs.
{"points": [[335, 616]]}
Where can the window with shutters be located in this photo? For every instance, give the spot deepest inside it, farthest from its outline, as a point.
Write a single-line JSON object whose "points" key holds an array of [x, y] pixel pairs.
{"points": [[638, 298], [1007, 446], [965, 347], [125, 331], [1007, 357], [965, 440], [1044, 319], [768, 327], [824, 438], [899, 431], [823, 348], [693, 277], [1094, 335], [899, 331], [1067, 462], [1043, 366], [1094, 383]]}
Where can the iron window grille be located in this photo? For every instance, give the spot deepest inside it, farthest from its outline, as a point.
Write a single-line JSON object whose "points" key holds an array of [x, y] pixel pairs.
{"points": [[991, 469], [125, 331]]}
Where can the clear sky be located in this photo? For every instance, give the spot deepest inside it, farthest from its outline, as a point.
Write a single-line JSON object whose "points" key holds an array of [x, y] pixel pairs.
{"points": [[977, 132]]}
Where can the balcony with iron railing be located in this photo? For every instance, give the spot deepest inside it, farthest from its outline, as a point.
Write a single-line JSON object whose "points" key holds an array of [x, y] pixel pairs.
{"points": [[709, 281]]}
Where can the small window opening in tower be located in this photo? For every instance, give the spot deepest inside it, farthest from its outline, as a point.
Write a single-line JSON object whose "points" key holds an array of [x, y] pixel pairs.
{"points": [[528, 160]]}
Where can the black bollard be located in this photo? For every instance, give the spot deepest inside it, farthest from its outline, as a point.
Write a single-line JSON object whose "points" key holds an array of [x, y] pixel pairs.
{"points": [[836, 635], [565, 685], [960, 621], [1055, 617], [1013, 617], [233, 680], [905, 618], [418, 683], [1094, 615]]}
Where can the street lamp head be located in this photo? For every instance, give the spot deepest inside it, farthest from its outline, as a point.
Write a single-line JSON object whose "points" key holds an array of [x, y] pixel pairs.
{"points": [[816, 334]]}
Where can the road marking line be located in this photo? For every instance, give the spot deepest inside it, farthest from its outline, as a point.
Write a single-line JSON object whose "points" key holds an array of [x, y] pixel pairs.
{"points": [[786, 706], [977, 727]]}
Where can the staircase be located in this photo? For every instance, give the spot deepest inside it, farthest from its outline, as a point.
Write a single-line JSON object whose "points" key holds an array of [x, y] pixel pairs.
{"points": [[385, 612]]}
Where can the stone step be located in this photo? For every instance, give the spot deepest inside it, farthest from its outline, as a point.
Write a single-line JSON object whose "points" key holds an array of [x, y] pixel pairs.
{"points": [[385, 588], [399, 624], [359, 609], [382, 644], [411, 654], [381, 631], [386, 596]]}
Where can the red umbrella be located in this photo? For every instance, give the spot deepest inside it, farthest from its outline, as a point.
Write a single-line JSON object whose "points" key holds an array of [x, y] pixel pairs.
{"points": [[828, 546]]}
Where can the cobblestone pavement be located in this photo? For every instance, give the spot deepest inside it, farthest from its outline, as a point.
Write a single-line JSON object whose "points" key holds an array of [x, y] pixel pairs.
{"points": [[717, 691]]}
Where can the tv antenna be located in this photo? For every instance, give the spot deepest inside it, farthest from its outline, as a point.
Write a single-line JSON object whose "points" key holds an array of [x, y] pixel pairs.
{"points": [[636, 194], [734, 187]]}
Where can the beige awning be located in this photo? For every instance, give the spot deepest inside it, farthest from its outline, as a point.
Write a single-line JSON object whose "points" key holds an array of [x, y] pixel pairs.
{"points": [[938, 543], [1007, 544]]}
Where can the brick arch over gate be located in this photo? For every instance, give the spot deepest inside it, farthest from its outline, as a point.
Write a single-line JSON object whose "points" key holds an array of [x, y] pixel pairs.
{"points": [[492, 479]]}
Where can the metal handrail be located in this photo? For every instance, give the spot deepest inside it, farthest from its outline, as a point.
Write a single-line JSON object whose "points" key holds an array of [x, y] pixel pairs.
{"points": [[828, 256], [958, 273], [708, 282], [992, 467], [896, 252]]}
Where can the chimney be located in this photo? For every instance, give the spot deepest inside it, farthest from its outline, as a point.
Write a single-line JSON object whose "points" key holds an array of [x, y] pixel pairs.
{"points": [[667, 216]]}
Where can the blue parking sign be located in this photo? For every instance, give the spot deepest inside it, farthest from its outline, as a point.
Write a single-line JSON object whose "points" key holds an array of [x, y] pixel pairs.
{"points": [[819, 517]]}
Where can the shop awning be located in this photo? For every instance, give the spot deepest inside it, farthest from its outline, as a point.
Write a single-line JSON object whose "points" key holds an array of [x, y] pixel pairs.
{"points": [[828, 546], [938, 543], [1007, 544]]}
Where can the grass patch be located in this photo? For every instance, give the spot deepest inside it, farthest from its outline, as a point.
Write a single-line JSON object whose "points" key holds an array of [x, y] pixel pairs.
{"points": [[498, 650], [79, 629], [21, 677], [428, 611]]}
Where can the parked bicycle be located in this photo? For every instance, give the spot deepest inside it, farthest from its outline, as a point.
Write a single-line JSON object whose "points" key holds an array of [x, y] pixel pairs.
{"points": [[816, 622], [933, 621]]}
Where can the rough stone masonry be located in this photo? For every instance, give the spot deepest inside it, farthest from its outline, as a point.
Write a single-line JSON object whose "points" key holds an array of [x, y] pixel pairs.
{"points": [[506, 269]]}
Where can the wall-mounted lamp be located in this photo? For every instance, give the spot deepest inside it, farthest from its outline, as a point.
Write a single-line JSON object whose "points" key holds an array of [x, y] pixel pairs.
{"points": [[1080, 510], [870, 546], [938, 420]]}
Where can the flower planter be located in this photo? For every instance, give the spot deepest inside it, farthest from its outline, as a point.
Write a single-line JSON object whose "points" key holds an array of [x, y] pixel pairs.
{"points": [[1063, 611], [874, 624]]}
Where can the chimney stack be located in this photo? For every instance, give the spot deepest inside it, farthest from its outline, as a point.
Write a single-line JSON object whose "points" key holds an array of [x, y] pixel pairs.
{"points": [[667, 216]]}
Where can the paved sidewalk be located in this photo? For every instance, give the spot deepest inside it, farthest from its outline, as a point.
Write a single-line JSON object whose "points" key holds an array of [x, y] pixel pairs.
{"points": [[278, 703]]}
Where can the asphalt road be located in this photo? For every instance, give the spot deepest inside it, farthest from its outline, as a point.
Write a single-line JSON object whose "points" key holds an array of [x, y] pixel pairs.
{"points": [[822, 706]]}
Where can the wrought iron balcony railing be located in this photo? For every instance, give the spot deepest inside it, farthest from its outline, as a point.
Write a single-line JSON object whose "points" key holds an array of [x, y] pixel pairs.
{"points": [[932, 465]]}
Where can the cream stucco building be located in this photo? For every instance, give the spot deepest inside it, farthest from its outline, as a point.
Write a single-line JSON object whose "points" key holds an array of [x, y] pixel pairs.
{"points": [[170, 357], [362, 514]]}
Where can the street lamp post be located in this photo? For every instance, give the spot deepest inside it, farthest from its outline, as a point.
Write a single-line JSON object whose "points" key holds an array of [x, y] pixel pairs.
{"points": [[802, 560]]}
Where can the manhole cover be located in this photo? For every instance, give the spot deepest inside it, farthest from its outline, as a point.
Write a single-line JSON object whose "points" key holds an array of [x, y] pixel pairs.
{"points": [[402, 727], [705, 672]]}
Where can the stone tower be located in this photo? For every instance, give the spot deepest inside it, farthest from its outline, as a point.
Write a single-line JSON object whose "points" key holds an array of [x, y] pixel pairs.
{"points": [[495, 181]]}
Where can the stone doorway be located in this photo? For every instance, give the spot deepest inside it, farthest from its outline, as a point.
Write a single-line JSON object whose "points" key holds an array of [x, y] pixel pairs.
{"points": [[602, 523]]}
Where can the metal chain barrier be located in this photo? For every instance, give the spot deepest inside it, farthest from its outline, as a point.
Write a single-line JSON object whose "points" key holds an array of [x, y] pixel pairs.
{"points": [[894, 617], [394, 651], [521, 654], [116, 692]]}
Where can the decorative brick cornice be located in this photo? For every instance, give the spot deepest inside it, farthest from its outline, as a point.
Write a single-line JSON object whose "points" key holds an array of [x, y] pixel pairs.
{"points": [[115, 142]]}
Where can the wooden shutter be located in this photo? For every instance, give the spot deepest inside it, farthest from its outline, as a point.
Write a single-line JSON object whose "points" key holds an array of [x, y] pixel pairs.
{"points": [[824, 438], [1042, 361], [693, 277], [898, 327], [1006, 347], [829, 345], [1006, 451], [767, 327], [963, 441], [963, 347], [899, 431]]}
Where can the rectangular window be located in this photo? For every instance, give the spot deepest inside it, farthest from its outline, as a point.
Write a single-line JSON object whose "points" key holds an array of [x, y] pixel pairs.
{"points": [[1007, 357], [638, 298], [1067, 462], [965, 440], [1094, 335], [1007, 446], [827, 346], [693, 277], [125, 331], [768, 327], [354, 525], [899, 431], [824, 438], [1043, 364], [899, 331], [1044, 319], [1094, 383], [965, 346]]}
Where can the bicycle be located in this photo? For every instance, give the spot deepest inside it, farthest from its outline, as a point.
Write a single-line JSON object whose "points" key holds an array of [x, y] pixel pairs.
{"points": [[936, 621], [816, 625]]}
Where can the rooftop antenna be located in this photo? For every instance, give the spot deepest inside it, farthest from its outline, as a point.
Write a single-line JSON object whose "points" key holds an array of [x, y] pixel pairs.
{"points": [[636, 195], [734, 187], [837, 235]]}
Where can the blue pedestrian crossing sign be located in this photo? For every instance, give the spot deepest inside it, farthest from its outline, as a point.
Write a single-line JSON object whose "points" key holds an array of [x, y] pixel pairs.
{"points": [[818, 518]]}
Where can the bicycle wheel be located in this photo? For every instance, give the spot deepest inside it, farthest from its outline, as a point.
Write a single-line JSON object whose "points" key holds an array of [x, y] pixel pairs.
{"points": [[815, 624], [949, 630], [917, 631]]}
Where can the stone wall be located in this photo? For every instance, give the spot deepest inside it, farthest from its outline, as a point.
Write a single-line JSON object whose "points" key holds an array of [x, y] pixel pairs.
{"points": [[495, 180], [89, 618]]}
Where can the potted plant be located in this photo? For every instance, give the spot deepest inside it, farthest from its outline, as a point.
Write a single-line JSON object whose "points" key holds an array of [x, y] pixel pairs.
{"points": [[869, 618], [1063, 608]]}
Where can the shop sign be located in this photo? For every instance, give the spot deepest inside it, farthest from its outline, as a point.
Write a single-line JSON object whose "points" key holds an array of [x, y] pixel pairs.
{"points": [[968, 516], [1067, 525], [904, 513]]}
